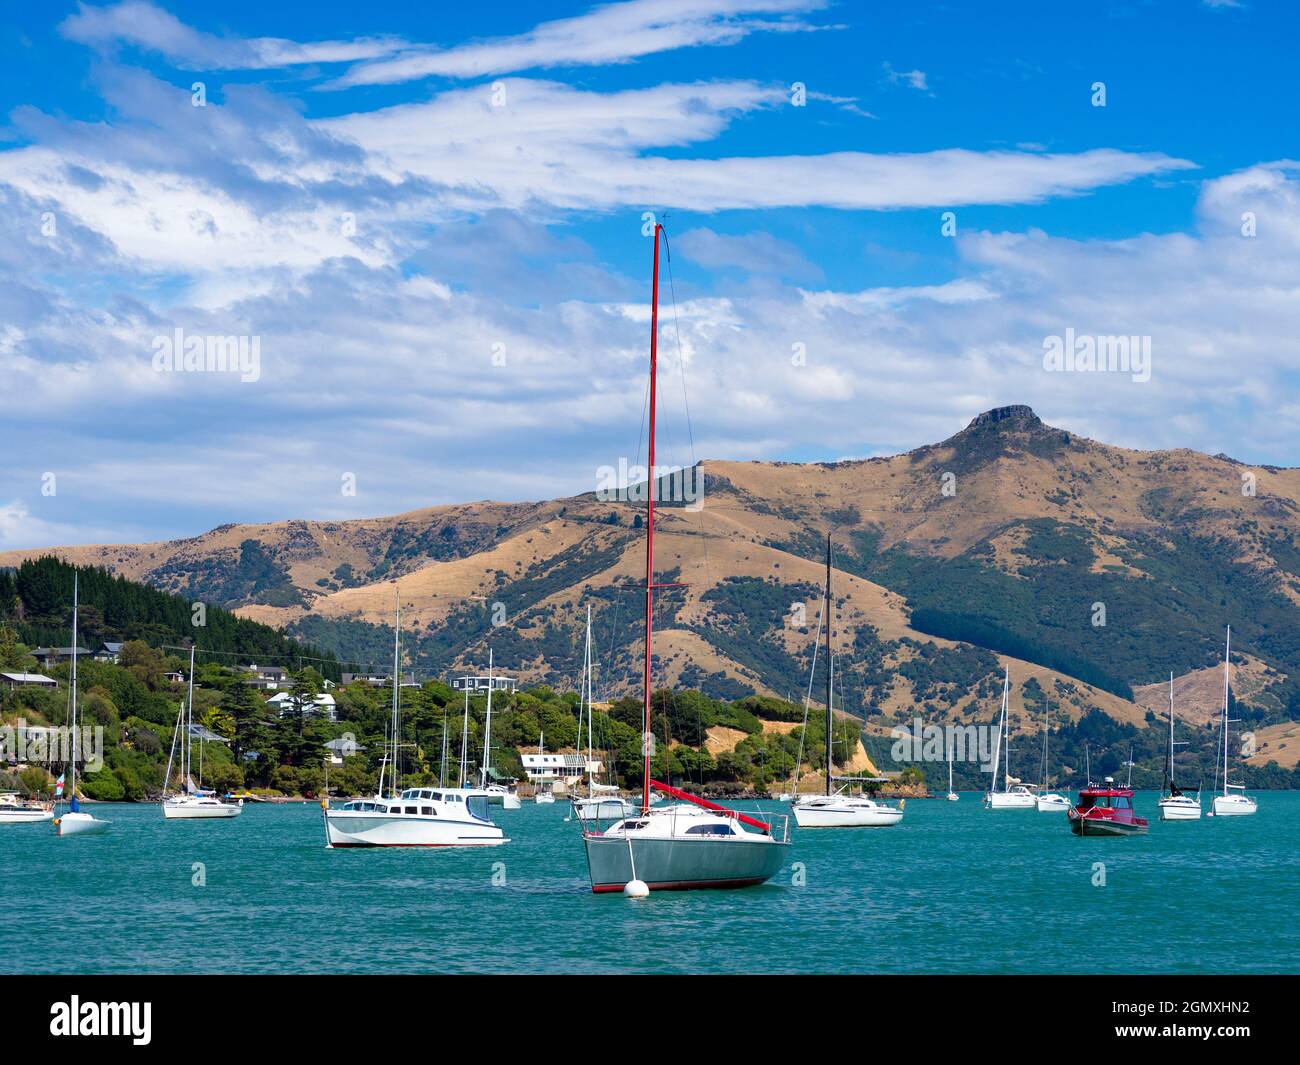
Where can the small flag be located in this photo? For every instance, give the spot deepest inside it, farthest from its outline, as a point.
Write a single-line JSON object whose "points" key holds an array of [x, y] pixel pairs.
{"points": [[58, 786]]}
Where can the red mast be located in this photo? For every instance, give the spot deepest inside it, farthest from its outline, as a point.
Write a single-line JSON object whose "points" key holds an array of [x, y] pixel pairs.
{"points": [[650, 527]]}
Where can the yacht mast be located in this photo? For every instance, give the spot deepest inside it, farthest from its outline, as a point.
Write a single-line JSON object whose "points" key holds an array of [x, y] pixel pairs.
{"points": [[830, 668], [73, 792], [487, 727], [1227, 656], [997, 747], [650, 531], [464, 741], [188, 739]]}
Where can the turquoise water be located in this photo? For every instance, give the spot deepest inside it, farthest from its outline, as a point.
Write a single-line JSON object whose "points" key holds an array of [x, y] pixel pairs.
{"points": [[952, 889]]}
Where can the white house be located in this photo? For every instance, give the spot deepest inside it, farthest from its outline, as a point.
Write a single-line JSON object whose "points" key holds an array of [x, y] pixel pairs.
{"points": [[322, 706], [342, 748], [480, 684], [550, 768]]}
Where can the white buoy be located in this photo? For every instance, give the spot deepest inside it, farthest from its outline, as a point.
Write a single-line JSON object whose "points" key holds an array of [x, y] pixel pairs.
{"points": [[635, 889]]}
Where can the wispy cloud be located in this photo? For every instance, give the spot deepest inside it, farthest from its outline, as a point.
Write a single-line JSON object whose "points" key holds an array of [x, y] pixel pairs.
{"points": [[610, 33], [147, 26]]}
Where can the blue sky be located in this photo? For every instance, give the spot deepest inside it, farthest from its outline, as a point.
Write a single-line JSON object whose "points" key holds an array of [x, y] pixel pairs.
{"points": [[386, 195]]}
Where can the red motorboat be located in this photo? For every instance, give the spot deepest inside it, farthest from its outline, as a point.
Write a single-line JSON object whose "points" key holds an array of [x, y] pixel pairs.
{"points": [[1106, 810]]}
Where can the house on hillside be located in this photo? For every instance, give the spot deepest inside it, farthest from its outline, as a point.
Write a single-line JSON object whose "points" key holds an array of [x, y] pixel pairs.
{"points": [[109, 652], [267, 678], [558, 768], [28, 680], [49, 657], [380, 680], [474, 685], [341, 748]]}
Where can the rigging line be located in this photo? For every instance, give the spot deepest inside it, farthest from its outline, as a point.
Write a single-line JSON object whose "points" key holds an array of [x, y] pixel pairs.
{"points": [[686, 404], [807, 700]]}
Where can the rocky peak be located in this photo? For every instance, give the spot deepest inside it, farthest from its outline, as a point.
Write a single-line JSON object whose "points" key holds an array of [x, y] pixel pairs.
{"points": [[1022, 415]]}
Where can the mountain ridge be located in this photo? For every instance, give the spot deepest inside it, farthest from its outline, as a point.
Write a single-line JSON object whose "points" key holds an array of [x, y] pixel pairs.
{"points": [[1006, 536]]}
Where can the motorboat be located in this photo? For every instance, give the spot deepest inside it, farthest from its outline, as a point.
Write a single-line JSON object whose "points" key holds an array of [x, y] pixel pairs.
{"points": [[1106, 810]]}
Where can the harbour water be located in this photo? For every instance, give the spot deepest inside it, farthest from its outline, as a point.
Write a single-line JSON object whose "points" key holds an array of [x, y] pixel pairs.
{"points": [[954, 888]]}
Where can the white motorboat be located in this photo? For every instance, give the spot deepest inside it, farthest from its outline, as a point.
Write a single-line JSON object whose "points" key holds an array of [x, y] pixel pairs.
{"points": [[836, 807], [844, 811], [1229, 804], [1048, 801], [192, 802], [16, 810], [694, 843], [75, 822], [418, 817], [1174, 805], [1010, 797]]}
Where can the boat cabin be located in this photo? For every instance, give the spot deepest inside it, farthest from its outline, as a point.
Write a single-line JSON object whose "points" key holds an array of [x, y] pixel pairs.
{"points": [[425, 802]]}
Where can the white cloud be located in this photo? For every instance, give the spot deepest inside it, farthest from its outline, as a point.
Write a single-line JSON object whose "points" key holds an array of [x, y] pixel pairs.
{"points": [[139, 23], [609, 33]]}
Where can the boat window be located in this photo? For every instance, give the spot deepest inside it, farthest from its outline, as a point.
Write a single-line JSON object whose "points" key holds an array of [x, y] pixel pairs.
{"points": [[426, 794], [709, 830], [412, 809], [427, 811], [1122, 803], [477, 806]]}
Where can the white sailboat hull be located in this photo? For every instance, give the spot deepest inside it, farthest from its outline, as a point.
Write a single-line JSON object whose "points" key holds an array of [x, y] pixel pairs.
{"points": [[543, 798], [1052, 803], [844, 812], [193, 809], [1179, 808], [1234, 806], [80, 824], [1010, 800], [952, 796], [350, 828]]}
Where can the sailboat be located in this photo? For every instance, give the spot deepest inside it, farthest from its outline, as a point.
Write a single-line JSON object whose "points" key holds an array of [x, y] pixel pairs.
{"points": [[952, 796], [192, 802], [76, 822], [836, 808], [1048, 802], [1228, 804], [1174, 805], [544, 793], [600, 803], [415, 817], [692, 843], [497, 794], [1018, 797]]}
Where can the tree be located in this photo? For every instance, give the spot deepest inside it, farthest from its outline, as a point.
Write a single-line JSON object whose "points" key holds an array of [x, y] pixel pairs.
{"points": [[13, 654]]}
